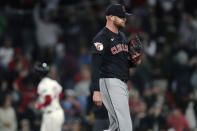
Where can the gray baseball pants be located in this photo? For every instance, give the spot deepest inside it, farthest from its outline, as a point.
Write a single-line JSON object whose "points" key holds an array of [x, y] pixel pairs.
{"points": [[115, 97]]}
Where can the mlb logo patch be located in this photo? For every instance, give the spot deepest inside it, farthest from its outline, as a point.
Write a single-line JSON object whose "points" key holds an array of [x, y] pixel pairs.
{"points": [[99, 46]]}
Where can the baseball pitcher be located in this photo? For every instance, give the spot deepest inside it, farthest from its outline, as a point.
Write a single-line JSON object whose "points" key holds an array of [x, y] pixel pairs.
{"points": [[112, 56]]}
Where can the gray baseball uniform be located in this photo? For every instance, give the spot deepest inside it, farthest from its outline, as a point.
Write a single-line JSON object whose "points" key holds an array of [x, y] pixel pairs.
{"points": [[115, 98], [110, 71], [110, 67]]}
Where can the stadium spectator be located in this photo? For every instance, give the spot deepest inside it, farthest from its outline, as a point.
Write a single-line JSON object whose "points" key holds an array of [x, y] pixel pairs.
{"points": [[177, 121], [8, 120], [6, 53]]}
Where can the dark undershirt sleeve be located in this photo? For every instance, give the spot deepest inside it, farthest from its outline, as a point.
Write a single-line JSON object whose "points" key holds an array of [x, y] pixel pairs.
{"points": [[95, 66]]}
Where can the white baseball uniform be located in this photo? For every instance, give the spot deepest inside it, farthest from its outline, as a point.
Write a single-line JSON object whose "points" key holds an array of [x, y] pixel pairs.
{"points": [[53, 114]]}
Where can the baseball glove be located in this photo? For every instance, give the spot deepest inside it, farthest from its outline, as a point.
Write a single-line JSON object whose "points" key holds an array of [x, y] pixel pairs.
{"points": [[135, 49]]}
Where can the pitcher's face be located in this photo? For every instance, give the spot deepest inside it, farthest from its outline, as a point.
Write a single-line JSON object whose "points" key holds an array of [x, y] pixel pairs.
{"points": [[119, 22]]}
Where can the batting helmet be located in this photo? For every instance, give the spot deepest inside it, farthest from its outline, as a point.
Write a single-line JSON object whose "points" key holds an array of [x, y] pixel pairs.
{"points": [[42, 69]]}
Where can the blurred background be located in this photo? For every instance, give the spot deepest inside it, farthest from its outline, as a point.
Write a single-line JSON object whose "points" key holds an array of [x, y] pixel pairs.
{"points": [[163, 89]]}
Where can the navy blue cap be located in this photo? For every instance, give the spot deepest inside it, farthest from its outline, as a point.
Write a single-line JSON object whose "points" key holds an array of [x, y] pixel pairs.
{"points": [[117, 10]]}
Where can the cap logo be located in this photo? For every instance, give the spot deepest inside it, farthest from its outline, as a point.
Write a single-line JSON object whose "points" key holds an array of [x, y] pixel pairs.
{"points": [[123, 8]]}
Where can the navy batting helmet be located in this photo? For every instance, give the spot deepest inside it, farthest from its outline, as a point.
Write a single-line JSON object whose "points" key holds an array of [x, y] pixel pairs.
{"points": [[42, 69]]}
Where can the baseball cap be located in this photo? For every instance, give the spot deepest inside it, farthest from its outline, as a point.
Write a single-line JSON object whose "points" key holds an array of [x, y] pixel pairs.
{"points": [[117, 10]]}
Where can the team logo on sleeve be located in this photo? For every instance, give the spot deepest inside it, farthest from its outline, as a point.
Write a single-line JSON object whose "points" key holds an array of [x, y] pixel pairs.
{"points": [[99, 46]]}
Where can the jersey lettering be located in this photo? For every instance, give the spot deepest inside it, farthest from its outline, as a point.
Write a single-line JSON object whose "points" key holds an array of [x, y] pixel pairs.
{"points": [[125, 48], [114, 50], [119, 48]]}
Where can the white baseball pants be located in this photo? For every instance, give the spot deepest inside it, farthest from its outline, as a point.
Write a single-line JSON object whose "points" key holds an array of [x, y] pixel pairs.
{"points": [[53, 121]]}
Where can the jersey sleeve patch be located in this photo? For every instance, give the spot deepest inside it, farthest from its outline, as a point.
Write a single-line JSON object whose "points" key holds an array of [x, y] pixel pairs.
{"points": [[99, 46]]}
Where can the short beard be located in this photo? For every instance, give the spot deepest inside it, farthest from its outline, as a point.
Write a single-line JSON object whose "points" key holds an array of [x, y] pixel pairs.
{"points": [[118, 25]]}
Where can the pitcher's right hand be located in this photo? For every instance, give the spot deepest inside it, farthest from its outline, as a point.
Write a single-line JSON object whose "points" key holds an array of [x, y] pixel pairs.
{"points": [[97, 98]]}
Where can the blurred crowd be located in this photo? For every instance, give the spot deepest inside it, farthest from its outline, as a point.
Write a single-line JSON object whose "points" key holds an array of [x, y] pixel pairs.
{"points": [[163, 89]]}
